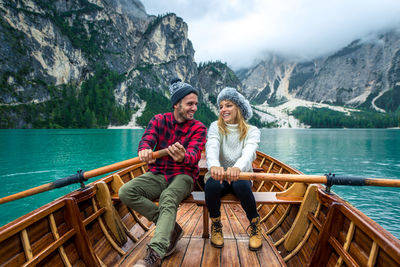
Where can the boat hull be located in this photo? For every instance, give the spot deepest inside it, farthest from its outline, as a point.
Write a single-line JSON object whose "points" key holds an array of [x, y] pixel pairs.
{"points": [[91, 227]]}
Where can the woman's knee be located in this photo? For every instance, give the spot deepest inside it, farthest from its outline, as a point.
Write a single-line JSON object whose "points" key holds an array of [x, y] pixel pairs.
{"points": [[242, 185], [213, 186]]}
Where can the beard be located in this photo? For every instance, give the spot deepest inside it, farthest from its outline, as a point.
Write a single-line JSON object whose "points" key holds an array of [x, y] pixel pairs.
{"points": [[184, 115]]}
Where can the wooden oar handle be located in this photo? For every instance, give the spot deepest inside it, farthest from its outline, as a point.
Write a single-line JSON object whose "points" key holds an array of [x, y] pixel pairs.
{"points": [[382, 182], [320, 179], [78, 177], [283, 177], [123, 164], [27, 193]]}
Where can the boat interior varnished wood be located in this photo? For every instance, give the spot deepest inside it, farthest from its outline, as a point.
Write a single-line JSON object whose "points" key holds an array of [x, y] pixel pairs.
{"points": [[91, 227]]}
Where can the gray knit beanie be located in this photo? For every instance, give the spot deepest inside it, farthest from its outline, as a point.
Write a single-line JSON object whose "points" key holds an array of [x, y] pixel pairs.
{"points": [[229, 93], [179, 90]]}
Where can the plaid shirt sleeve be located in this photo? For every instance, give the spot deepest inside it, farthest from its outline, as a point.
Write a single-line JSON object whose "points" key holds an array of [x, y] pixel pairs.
{"points": [[195, 146], [149, 138]]}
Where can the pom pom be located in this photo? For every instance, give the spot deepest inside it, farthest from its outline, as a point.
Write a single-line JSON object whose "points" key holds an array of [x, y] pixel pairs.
{"points": [[175, 80]]}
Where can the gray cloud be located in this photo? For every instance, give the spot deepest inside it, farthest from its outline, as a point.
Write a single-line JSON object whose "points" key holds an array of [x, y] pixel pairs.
{"points": [[240, 31]]}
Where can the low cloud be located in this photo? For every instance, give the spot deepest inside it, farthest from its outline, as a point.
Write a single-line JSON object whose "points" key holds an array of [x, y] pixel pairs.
{"points": [[239, 32]]}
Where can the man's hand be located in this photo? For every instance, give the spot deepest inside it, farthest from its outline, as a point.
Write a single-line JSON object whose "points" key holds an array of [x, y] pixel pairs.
{"points": [[146, 155], [217, 173], [177, 152], [232, 174]]}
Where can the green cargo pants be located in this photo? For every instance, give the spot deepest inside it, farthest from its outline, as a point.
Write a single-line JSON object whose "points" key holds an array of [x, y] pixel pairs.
{"points": [[139, 194]]}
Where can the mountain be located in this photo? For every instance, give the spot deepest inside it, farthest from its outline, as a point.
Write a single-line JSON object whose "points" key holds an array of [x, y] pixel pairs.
{"points": [[107, 63], [365, 75], [81, 63]]}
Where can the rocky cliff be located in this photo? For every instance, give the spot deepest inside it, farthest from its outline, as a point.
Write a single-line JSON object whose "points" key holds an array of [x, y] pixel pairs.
{"points": [[364, 74], [51, 51], [96, 63]]}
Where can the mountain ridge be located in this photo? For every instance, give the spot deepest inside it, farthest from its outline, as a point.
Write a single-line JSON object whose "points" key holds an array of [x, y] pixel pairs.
{"points": [[97, 63]]}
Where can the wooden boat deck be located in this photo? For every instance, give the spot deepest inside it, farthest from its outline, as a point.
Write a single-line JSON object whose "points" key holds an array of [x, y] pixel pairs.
{"points": [[193, 250]]}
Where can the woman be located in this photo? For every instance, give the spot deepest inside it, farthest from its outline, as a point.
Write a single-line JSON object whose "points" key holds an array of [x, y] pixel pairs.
{"points": [[231, 146]]}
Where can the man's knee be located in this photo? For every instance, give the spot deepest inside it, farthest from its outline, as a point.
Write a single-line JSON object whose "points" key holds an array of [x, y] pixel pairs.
{"points": [[178, 190], [123, 193], [127, 193], [169, 198]]}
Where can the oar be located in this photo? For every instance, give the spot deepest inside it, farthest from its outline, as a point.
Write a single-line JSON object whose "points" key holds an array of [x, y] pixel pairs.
{"points": [[80, 177], [328, 179]]}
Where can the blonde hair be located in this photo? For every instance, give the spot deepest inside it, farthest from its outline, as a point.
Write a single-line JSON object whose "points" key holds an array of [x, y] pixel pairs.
{"points": [[242, 125]]}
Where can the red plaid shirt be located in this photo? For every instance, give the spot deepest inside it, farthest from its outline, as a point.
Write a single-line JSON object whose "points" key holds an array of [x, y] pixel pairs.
{"points": [[163, 130]]}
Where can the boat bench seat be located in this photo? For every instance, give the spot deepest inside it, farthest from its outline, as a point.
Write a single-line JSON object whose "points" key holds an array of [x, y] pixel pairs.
{"points": [[198, 197]]}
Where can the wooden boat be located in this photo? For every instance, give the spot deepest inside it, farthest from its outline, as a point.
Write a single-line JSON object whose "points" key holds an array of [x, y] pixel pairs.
{"points": [[302, 226]]}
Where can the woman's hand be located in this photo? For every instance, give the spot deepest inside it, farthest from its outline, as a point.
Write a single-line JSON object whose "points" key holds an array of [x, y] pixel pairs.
{"points": [[217, 173], [232, 174]]}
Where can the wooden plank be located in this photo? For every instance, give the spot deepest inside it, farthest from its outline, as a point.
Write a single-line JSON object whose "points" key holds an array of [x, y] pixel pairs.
{"points": [[269, 256], [230, 254], [185, 212], [300, 224], [373, 254], [313, 219], [212, 255], [177, 257], [194, 252], [111, 218], [226, 226], [206, 221], [94, 216], [185, 217], [238, 230], [193, 223], [148, 234], [19, 224], [56, 236], [107, 234], [342, 253], [305, 243], [81, 240], [247, 257], [198, 228], [52, 247], [26, 244], [349, 238], [139, 253]]}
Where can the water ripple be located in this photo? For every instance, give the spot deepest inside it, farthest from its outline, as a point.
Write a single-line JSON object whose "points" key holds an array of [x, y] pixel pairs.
{"points": [[26, 173]]}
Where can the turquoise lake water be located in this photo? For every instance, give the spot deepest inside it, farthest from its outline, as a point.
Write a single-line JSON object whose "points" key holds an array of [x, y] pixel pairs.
{"points": [[30, 158]]}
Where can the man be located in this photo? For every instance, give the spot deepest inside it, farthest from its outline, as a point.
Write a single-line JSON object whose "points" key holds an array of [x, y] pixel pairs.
{"points": [[170, 178]]}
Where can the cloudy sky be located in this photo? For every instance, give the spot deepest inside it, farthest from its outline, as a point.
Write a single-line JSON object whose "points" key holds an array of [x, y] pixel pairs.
{"points": [[239, 32]]}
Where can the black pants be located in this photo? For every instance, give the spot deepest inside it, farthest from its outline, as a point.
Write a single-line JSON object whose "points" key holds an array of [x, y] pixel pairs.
{"points": [[214, 190]]}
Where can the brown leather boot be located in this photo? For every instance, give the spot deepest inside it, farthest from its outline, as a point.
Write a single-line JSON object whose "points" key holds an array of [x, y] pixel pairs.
{"points": [[176, 235], [152, 259], [255, 241], [217, 238]]}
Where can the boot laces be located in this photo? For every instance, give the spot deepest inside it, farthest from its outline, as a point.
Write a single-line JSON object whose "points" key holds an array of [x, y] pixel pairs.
{"points": [[151, 257], [254, 230], [217, 227]]}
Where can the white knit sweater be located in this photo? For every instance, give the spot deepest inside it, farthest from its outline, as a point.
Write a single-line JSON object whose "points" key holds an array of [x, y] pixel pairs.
{"points": [[227, 151]]}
